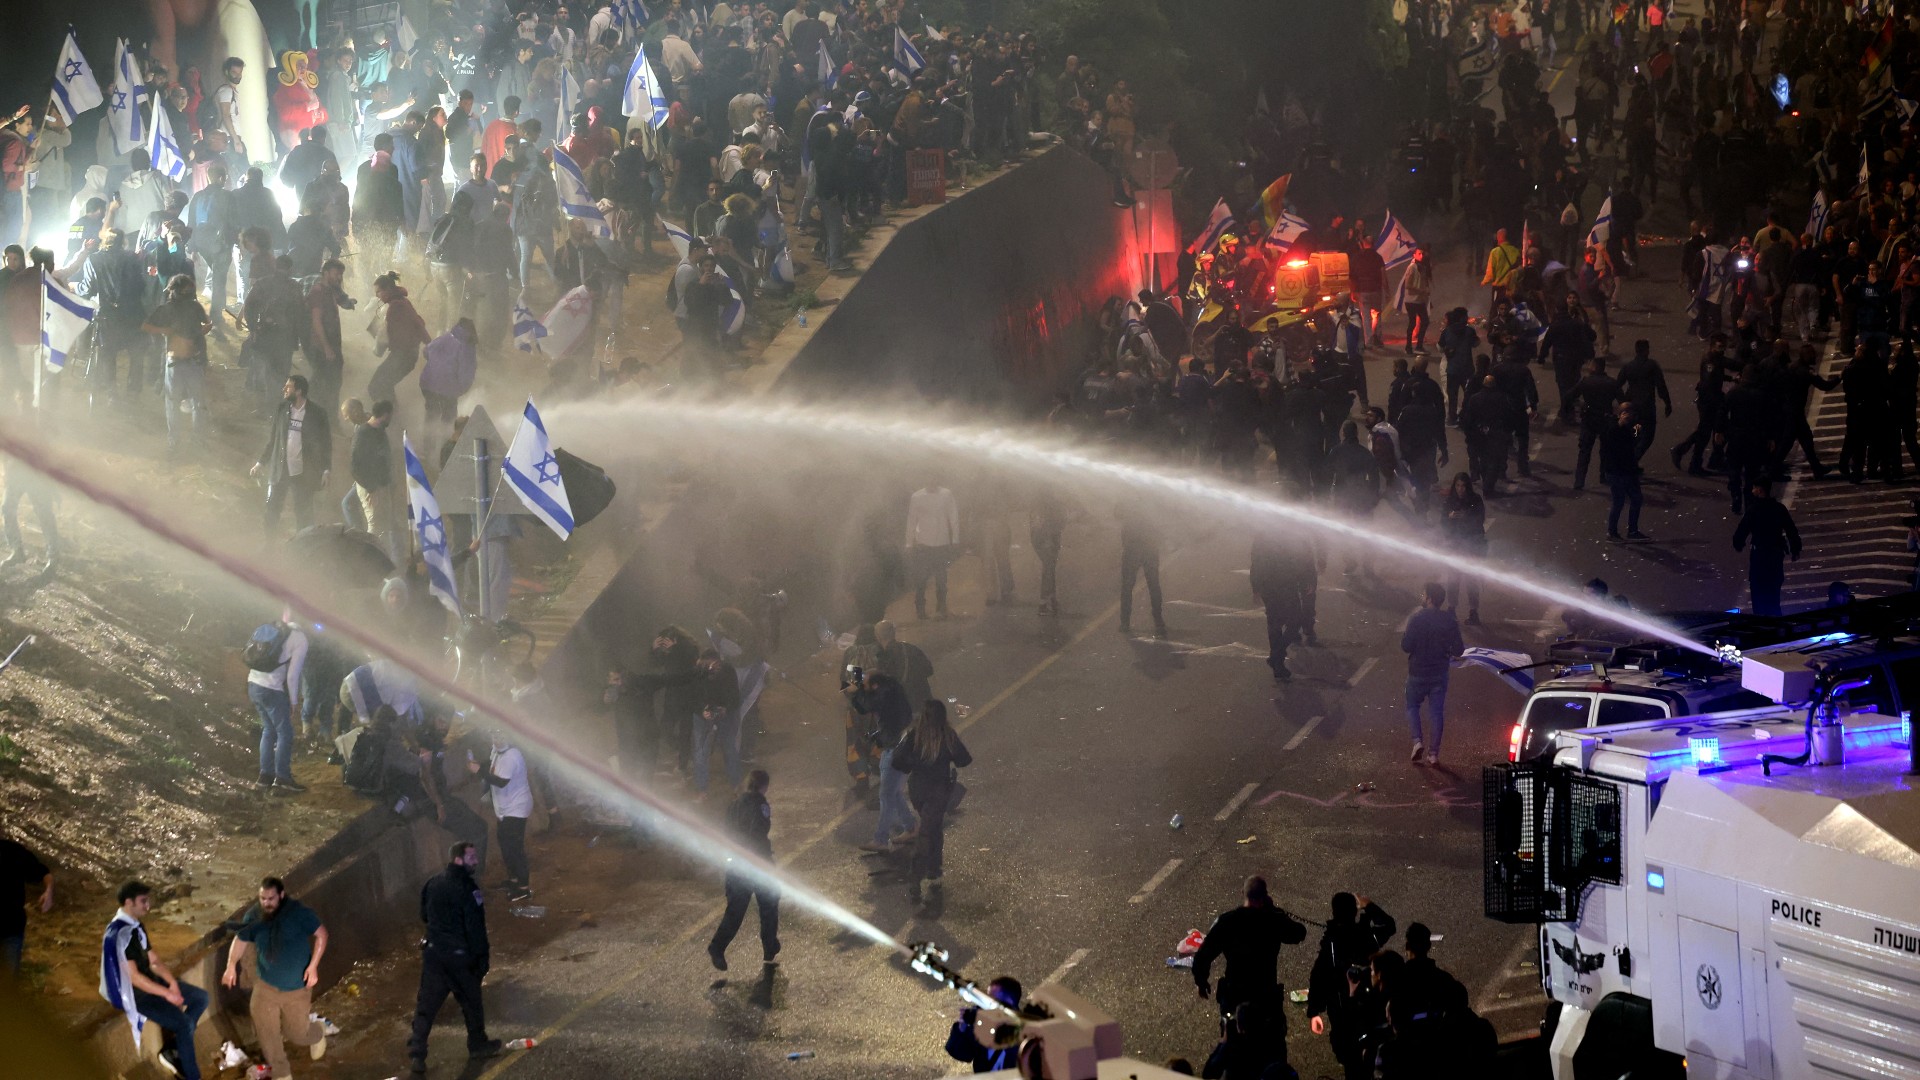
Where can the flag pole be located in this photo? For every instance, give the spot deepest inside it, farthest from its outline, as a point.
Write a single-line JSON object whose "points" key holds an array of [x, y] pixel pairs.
{"points": [[40, 352]]}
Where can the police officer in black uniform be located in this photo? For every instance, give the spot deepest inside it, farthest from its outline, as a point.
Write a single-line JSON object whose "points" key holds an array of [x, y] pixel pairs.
{"points": [[749, 819], [1249, 937], [454, 956]]}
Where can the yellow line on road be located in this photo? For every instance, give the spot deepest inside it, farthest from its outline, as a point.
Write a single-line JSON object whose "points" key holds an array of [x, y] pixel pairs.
{"points": [[694, 929]]}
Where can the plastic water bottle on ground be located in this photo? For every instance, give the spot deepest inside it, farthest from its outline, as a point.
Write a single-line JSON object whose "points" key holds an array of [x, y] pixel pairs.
{"points": [[527, 1043], [800, 1055]]}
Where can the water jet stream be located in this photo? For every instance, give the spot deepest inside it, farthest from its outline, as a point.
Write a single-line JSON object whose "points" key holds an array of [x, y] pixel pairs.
{"points": [[687, 832], [612, 429]]}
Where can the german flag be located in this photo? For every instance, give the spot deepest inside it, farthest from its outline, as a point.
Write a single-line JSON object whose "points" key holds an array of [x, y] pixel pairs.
{"points": [[1880, 49]]}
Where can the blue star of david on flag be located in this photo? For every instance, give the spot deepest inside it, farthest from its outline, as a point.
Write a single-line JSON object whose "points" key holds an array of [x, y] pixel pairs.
{"points": [[533, 472], [431, 529], [74, 88]]}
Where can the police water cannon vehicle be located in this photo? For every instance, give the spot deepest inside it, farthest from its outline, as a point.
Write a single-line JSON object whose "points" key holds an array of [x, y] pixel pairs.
{"points": [[1733, 896]]}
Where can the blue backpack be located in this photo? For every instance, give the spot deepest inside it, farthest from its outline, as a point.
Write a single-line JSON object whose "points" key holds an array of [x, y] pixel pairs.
{"points": [[263, 649]]}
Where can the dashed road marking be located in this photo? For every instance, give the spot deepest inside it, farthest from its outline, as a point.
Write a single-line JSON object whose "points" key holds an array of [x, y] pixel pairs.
{"points": [[1301, 735], [1070, 963], [1361, 673], [1245, 793], [1158, 879]]}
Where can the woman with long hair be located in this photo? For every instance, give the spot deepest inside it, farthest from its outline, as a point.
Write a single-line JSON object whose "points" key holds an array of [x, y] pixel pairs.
{"points": [[1464, 522], [929, 753]]}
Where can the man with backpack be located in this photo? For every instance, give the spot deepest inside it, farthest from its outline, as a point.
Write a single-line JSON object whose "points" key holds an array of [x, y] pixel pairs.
{"points": [[210, 216], [275, 657]]}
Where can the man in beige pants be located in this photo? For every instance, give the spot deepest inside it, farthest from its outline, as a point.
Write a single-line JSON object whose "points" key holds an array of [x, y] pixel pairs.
{"points": [[287, 940]]}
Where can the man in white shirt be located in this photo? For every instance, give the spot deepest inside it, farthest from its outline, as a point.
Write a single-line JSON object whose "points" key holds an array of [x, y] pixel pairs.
{"points": [[678, 56], [227, 100], [563, 39], [298, 457], [276, 657], [933, 531], [512, 799]]}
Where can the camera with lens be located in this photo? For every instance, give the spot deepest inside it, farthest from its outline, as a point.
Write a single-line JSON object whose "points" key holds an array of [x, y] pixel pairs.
{"points": [[855, 676]]}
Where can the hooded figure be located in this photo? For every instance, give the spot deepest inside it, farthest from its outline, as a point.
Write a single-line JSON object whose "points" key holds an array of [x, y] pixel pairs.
{"points": [[95, 187], [448, 372]]}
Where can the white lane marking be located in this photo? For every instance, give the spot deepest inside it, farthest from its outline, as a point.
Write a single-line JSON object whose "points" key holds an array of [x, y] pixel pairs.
{"points": [[1071, 963], [1155, 882], [1245, 794], [1365, 666], [1508, 971], [1301, 735]]}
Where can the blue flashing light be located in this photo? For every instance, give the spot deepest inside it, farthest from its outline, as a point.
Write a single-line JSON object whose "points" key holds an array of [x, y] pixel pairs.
{"points": [[1906, 727], [1656, 880], [1827, 639], [1733, 611], [1705, 749]]}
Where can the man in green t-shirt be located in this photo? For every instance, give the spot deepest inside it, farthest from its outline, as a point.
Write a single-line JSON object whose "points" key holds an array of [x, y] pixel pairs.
{"points": [[287, 940]]}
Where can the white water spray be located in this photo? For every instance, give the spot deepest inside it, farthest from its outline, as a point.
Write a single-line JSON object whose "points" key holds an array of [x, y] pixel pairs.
{"points": [[615, 427], [687, 832]]}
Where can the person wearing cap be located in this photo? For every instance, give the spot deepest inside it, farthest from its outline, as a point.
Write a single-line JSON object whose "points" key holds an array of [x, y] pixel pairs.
{"points": [[116, 279]]}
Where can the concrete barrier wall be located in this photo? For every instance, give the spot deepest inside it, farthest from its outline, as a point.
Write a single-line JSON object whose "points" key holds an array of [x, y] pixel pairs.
{"points": [[992, 298]]}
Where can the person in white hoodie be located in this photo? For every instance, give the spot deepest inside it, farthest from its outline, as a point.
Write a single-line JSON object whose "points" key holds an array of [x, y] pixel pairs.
{"points": [[142, 194]]}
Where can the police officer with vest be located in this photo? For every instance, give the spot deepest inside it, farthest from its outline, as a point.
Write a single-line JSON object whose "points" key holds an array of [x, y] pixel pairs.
{"points": [[454, 957], [749, 820]]}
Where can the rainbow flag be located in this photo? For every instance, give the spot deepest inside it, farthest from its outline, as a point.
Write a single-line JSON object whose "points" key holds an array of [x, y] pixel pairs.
{"points": [[1273, 201], [1879, 50]]}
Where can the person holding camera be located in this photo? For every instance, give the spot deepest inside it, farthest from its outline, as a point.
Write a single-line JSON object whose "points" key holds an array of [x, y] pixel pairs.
{"points": [[963, 1044], [1356, 930], [1249, 937]]}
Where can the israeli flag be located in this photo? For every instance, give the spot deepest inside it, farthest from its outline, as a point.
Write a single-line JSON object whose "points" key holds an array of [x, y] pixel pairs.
{"points": [[123, 106], [74, 88], [423, 510], [534, 474], [527, 330], [1218, 222], [575, 200], [1817, 219], [643, 97], [734, 318], [905, 56], [1394, 243], [1514, 668], [681, 239], [829, 72], [1479, 60], [569, 101], [406, 37], [62, 316], [934, 35], [168, 161], [1285, 232], [780, 268], [1603, 224]]}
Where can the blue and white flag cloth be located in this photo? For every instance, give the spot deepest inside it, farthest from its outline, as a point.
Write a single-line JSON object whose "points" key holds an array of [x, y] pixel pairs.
{"points": [[430, 528], [527, 330], [165, 153], [1602, 229], [114, 984], [74, 87], [934, 35], [534, 474], [63, 316], [643, 96], [569, 101], [1285, 232], [1218, 222], [681, 239], [123, 102], [733, 318], [828, 71], [1394, 243], [1513, 668], [905, 56], [575, 200], [780, 268], [1479, 60], [1817, 219], [405, 36]]}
